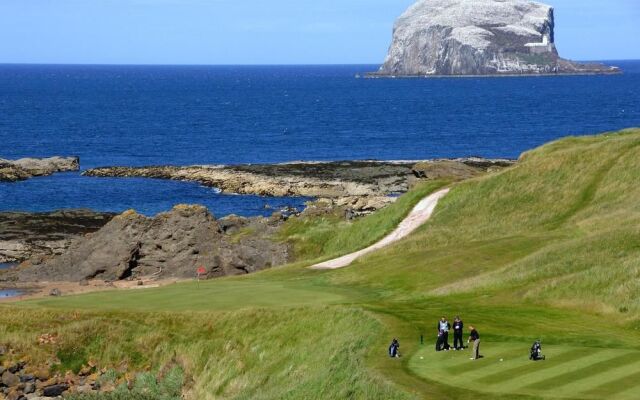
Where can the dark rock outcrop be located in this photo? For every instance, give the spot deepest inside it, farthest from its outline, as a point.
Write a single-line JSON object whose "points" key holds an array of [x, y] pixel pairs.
{"points": [[172, 244], [478, 37], [369, 181], [313, 179], [31, 235], [25, 168], [364, 186], [458, 169], [55, 390]]}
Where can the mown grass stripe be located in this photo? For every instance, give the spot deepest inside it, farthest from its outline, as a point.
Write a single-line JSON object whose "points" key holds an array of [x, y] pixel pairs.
{"points": [[631, 392], [626, 383], [513, 373], [579, 387], [507, 361], [465, 365], [517, 385], [584, 372]]}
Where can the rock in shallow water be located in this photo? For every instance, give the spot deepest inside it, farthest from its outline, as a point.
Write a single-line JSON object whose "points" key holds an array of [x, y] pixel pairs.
{"points": [[478, 37], [311, 179], [25, 168]]}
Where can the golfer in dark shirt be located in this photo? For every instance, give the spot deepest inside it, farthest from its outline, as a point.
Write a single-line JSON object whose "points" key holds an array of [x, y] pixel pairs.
{"points": [[474, 337], [458, 327]]}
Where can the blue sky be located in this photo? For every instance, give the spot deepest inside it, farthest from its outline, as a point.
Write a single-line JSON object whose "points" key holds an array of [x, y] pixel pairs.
{"points": [[263, 32]]}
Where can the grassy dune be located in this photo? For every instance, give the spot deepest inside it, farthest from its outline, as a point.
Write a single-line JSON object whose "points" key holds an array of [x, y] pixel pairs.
{"points": [[302, 352], [548, 249], [332, 236], [561, 228]]}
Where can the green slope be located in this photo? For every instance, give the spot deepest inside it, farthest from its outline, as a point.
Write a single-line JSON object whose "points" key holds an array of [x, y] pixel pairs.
{"points": [[561, 228], [547, 249], [569, 372]]}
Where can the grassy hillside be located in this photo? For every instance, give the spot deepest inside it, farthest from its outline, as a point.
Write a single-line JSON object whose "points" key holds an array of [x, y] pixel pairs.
{"points": [[329, 236], [548, 249], [562, 229], [249, 354]]}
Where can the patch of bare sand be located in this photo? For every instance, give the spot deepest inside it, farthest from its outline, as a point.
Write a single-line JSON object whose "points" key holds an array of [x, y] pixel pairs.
{"points": [[45, 289], [418, 216]]}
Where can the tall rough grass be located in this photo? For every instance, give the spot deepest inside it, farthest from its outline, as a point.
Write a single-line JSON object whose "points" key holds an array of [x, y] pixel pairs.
{"points": [[147, 386], [308, 352]]}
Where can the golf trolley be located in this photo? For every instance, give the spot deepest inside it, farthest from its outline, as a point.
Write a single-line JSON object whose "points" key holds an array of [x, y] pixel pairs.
{"points": [[536, 352]]}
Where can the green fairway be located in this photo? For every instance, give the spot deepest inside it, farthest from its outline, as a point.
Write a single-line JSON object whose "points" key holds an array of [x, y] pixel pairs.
{"points": [[568, 372], [548, 249], [216, 295]]}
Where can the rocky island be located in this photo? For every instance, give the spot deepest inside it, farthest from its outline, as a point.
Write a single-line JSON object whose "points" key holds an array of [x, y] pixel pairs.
{"points": [[478, 37], [25, 168]]}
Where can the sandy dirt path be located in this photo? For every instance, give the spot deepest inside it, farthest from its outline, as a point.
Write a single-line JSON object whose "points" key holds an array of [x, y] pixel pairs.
{"points": [[418, 216]]}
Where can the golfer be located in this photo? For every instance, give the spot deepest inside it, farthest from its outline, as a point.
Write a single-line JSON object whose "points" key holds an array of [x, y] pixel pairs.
{"points": [[474, 337], [443, 334], [458, 327]]}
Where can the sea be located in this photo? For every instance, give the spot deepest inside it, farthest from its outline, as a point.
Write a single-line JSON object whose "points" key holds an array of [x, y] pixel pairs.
{"points": [[184, 115], [6, 293]]}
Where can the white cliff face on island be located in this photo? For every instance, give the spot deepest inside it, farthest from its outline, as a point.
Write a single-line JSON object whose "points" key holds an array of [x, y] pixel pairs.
{"points": [[478, 37]]}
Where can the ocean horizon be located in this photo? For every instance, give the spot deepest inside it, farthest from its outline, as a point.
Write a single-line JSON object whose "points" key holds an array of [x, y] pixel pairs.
{"points": [[137, 115], [376, 65]]}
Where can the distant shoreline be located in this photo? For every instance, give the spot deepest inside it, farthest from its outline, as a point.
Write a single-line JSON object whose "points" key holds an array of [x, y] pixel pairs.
{"points": [[376, 75], [244, 65]]}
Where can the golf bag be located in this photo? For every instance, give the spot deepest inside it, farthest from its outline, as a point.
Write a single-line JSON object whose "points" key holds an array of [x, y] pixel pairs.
{"points": [[536, 352], [393, 349]]}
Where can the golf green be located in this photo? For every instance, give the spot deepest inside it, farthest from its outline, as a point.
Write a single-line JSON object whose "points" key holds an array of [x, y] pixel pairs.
{"points": [[505, 368]]}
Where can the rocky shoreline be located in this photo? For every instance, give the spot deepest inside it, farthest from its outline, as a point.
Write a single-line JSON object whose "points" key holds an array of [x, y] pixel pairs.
{"points": [[25, 168], [170, 245], [30, 235], [94, 251], [363, 185], [326, 180]]}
